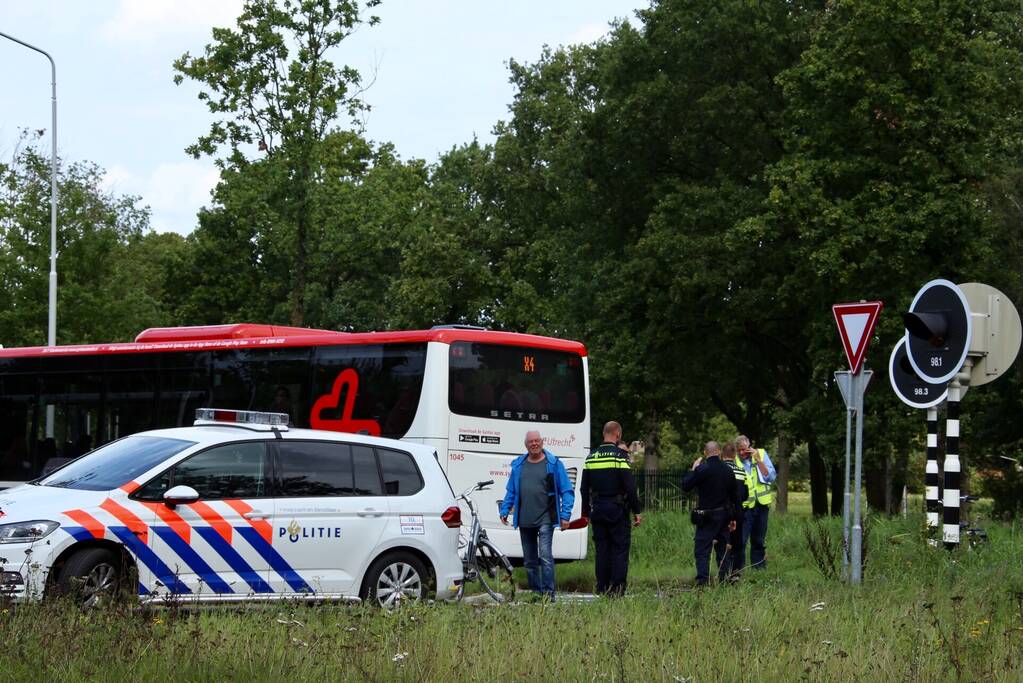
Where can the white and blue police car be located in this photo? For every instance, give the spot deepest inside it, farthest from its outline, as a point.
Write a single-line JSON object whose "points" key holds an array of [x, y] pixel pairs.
{"points": [[237, 507]]}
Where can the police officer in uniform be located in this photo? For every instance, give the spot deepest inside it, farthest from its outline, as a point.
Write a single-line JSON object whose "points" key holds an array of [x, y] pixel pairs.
{"points": [[716, 508], [609, 494], [736, 560]]}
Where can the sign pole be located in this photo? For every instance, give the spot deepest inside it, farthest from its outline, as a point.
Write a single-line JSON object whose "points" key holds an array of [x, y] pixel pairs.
{"points": [[845, 501], [855, 327], [860, 385]]}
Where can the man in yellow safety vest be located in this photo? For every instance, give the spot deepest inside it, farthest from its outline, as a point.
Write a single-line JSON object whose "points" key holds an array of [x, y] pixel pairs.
{"points": [[760, 476]]}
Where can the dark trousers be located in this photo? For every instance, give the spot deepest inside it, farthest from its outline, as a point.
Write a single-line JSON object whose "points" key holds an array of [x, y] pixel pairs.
{"points": [[612, 541], [736, 560], [754, 532], [712, 532]]}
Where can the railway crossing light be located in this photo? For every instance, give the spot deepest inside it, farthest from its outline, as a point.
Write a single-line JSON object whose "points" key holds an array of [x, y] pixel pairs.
{"points": [[908, 386], [938, 331], [956, 336]]}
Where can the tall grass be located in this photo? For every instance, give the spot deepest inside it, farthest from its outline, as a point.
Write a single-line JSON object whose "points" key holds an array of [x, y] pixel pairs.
{"points": [[922, 614]]}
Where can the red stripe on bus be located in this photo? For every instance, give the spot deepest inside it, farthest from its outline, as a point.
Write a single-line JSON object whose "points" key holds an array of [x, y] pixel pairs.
{"points": [[308, 339], [127, 518], [173, 520], [262, 527], [213, 518], [87, 522], [131, 487]]}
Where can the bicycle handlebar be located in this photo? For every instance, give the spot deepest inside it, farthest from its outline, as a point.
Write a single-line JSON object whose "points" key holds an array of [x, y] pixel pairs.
{"points": [[478, 486]]}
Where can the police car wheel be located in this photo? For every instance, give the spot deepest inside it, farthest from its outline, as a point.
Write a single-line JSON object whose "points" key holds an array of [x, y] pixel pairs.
{"points": [[91, 576], [394, 579]]}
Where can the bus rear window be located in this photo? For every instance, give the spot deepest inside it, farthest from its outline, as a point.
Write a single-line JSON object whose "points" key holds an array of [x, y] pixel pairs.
{"points": [[516, 383]]}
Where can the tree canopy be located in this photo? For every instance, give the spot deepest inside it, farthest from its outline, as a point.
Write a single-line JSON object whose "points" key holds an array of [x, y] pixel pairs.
{"points": [[688, 196]]}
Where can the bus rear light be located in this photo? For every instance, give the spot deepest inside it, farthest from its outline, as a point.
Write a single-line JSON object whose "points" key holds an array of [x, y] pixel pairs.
{"points": [[452, 517], [247, 417]]}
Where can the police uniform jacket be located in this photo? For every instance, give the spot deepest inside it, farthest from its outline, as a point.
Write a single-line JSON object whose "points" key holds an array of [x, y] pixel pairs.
{"points": [[607, 475], [714, 481]]}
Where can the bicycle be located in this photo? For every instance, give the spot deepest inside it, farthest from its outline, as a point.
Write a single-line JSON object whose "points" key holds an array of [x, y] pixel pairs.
{"points": [[482, 560], [973, 535]]}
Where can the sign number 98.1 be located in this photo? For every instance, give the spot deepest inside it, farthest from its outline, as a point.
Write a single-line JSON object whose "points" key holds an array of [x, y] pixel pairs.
{"points": [[935, 361]]}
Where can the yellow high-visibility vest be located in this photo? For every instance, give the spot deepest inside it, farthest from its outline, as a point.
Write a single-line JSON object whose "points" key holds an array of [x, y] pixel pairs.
{"points": [[759, 492]]}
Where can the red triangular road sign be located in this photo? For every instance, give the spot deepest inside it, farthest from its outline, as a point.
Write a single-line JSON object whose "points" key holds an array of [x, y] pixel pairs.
{"points": [[856, 326]]}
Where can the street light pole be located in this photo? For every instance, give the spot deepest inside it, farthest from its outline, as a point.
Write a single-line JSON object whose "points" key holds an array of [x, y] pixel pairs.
{"points": [[51, 333]]}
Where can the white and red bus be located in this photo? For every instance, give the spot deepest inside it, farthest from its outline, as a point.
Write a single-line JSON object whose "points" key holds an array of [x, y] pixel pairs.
{"points": [[470, 393]]}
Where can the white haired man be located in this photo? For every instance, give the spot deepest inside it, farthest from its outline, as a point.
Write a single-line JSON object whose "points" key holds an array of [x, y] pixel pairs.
{"points": [[760, 476], [541, 495]]}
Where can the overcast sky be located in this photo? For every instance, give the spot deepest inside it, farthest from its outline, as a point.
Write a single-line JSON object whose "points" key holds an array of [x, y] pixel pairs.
{"points": [[440, 70]]}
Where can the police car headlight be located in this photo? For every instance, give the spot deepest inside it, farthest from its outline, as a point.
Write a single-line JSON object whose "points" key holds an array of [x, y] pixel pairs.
{"points": [[23, 532]]}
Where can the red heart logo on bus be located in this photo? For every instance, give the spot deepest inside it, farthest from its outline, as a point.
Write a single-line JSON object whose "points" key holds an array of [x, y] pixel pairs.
{"points": [[346, 378]]}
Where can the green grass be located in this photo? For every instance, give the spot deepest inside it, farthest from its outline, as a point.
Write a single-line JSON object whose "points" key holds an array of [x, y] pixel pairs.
{"points": [[922, 614]]}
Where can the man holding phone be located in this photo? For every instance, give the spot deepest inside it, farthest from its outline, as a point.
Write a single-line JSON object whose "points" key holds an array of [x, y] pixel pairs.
{"points": [[760, 476]]}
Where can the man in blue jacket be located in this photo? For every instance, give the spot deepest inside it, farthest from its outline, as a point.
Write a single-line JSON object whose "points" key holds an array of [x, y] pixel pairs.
{"points": [[542, 497]]}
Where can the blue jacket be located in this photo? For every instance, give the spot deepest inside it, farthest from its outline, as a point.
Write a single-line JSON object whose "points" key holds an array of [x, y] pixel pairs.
{"points": [[563, 492]]}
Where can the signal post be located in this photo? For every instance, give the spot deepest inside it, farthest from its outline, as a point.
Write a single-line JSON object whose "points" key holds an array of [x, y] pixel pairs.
{"points": [[856, 323], [957, 336]]}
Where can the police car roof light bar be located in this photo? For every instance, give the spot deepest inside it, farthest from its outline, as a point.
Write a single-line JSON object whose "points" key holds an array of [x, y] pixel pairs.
{"points": [[241, 417]]}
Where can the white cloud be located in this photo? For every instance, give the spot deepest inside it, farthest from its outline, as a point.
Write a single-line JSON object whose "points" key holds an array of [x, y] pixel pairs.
{"points": [[142, 21], [119, 180], [177, 191], [588, 33], [174, 191]]}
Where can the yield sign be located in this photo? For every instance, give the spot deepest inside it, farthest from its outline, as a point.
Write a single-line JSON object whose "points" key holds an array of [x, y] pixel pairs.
{"points": [[855, 326]]}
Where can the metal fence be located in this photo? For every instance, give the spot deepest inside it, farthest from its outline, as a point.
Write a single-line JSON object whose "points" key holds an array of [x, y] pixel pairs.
{"points": [[662, 490]]}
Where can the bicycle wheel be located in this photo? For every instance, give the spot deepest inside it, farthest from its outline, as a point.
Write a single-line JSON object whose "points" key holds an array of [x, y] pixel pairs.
{"points": [[495, 572], [975, 536]]}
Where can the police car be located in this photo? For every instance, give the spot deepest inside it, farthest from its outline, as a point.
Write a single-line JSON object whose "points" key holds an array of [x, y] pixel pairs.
{"points": [[237, 507]]}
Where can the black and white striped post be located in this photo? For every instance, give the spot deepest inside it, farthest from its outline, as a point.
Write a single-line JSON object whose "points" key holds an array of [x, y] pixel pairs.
{"points": [[932, 479], [918, 393], [950, 496], [941, 348], [939, 332], [950, 501]]}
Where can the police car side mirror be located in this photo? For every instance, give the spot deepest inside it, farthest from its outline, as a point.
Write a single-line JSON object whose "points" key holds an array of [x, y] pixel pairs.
{"points": [[180, 495]]}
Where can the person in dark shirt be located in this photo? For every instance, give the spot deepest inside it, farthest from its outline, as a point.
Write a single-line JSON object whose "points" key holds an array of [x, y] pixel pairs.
{"points": [[609, 494], [736, 559], [715, 512]]}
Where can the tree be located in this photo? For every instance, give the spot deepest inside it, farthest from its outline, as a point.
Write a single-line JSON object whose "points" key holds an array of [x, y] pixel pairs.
{"points": [[624, 165], [450, 255], [277, 95], [896, 116], [692, 195], [112, 271]]}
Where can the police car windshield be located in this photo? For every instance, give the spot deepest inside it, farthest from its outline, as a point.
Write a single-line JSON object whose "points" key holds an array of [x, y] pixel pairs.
{"points": [[115, 464]]}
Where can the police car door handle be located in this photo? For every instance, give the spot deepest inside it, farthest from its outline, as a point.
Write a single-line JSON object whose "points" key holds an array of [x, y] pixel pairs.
{"points": [[255, 514], [370, 512]]}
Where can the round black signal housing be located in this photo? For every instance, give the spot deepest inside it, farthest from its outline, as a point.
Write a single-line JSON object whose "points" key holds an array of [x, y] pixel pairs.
{"points": [[908, 386], [938, 331]]}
